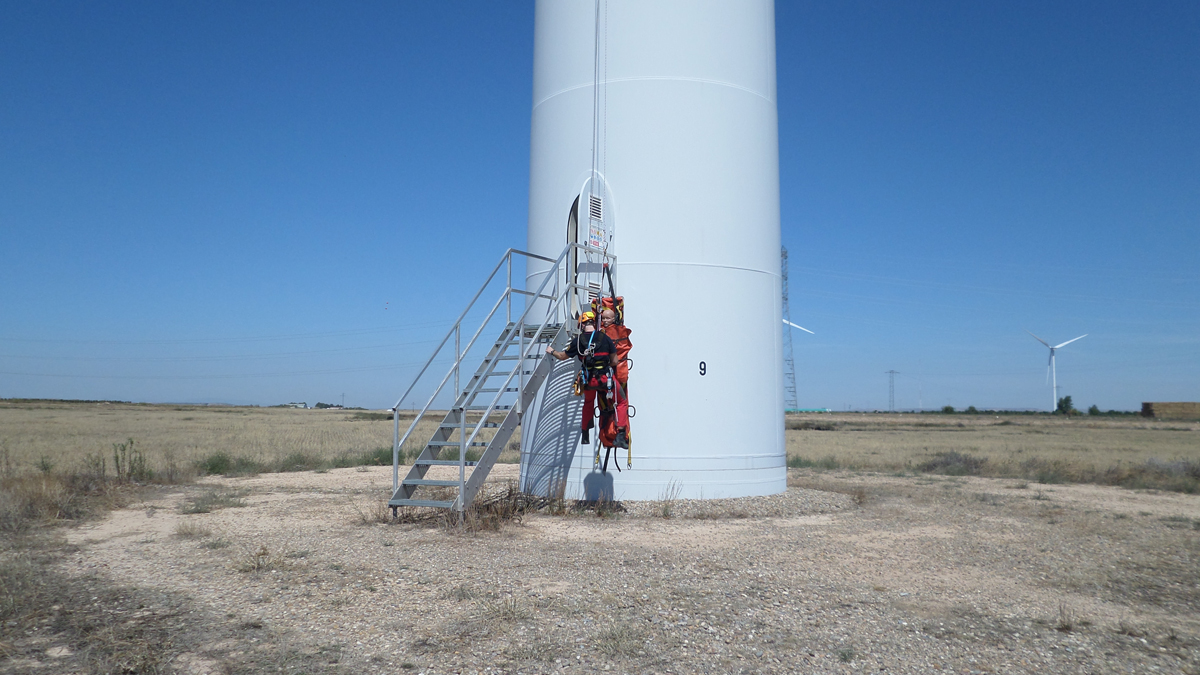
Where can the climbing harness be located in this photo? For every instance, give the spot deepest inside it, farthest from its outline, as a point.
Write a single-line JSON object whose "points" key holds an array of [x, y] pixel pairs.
{"points": [[615, 391]]}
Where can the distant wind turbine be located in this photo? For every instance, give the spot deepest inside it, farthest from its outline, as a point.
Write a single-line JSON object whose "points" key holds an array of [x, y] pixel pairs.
{"points": [[1050, 368], [805, 329]]}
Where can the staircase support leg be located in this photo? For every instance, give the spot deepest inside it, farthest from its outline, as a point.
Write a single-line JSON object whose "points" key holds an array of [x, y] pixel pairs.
{"points": [[395, 449]]}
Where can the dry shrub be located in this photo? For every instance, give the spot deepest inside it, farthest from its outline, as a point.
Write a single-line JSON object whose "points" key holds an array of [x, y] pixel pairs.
{"points": [[488, 513], [808, 425], [1152, 474], [857, 493], [504, 609], [954, 463], [32, 498], [20, 585], [492, 513], [224, 464], [618, 640], [37, 598], [1047, 472], [213, 500], [1126, 628], [130, 463], [829, 463], [1178, 476], [461, 592], [537, 650], [1121, 450], [708, 512], [667, 499], [1066, 619], [373, 513], [261, 559], [190, 529]]}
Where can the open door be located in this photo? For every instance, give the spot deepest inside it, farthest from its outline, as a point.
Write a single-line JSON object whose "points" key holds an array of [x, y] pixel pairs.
{"points": [[573, 255]]}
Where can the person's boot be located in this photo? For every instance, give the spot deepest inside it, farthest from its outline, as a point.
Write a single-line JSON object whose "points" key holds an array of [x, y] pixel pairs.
{"points": [[622, 440], [585, 439]]}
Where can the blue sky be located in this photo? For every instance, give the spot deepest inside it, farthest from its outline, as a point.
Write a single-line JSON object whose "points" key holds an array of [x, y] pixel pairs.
{"points": [[261, 203]]}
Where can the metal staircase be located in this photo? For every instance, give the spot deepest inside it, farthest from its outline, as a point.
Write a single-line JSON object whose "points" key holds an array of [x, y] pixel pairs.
{"points": [[489, 407]]}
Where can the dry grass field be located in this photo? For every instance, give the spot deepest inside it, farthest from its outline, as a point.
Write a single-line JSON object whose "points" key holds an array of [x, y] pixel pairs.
{"points": [[904, 544], [67, 434], [1122, 450], [1119, 450]]}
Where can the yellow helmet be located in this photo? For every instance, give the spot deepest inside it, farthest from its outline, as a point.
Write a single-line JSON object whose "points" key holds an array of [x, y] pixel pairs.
{"points": [[586, 317]]}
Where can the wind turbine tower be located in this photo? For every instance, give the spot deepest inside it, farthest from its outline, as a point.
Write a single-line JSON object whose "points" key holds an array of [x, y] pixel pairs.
{"points": [[654, 136], [1050, 368]]}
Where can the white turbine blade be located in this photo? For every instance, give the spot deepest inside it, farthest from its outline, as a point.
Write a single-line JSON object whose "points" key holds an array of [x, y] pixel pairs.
{"points": [[1037, 338], [809, 331], [1070, 341]]}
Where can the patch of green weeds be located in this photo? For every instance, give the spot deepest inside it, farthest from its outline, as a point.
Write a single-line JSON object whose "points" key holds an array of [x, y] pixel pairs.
{"points": [[224, 464], [806, 425], [954, 463], [619, 640], [461, 592], [190, 529], [505, 609], [298, 461], [1066, 619], [261, 559], [1179, 521], [381, 456], [829, 463], [130, 463], [213, 500]]}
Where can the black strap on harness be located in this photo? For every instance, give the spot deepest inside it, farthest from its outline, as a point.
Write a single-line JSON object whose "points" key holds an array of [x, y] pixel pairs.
{"points": [[612, 294]]}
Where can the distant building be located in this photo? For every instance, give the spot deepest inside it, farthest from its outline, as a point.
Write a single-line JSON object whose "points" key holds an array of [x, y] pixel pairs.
{"points": [[1172, 411], [297, 405]]}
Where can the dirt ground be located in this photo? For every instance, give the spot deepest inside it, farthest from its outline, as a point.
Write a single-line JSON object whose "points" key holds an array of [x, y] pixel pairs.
{"points": [[845, 573]]}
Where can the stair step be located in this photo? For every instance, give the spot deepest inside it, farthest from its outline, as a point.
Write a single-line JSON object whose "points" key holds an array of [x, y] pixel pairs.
{"points": [[549, 331], [528, 361], [420, 502]]}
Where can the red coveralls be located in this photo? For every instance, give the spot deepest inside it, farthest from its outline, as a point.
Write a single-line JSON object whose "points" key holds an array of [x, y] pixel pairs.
{"points": [[598, 377], [600, 384]]}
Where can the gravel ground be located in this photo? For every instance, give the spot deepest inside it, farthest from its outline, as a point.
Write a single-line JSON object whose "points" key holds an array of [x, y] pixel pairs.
{"points": [[842, 573]]}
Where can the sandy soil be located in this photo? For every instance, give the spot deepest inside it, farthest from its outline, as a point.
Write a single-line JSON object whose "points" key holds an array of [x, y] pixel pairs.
{"points": [[844, 573]]}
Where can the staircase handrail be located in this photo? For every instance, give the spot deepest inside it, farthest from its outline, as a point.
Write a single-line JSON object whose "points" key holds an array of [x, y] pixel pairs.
{"points": [[507, 257], [519, 324], [517, 329]]}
